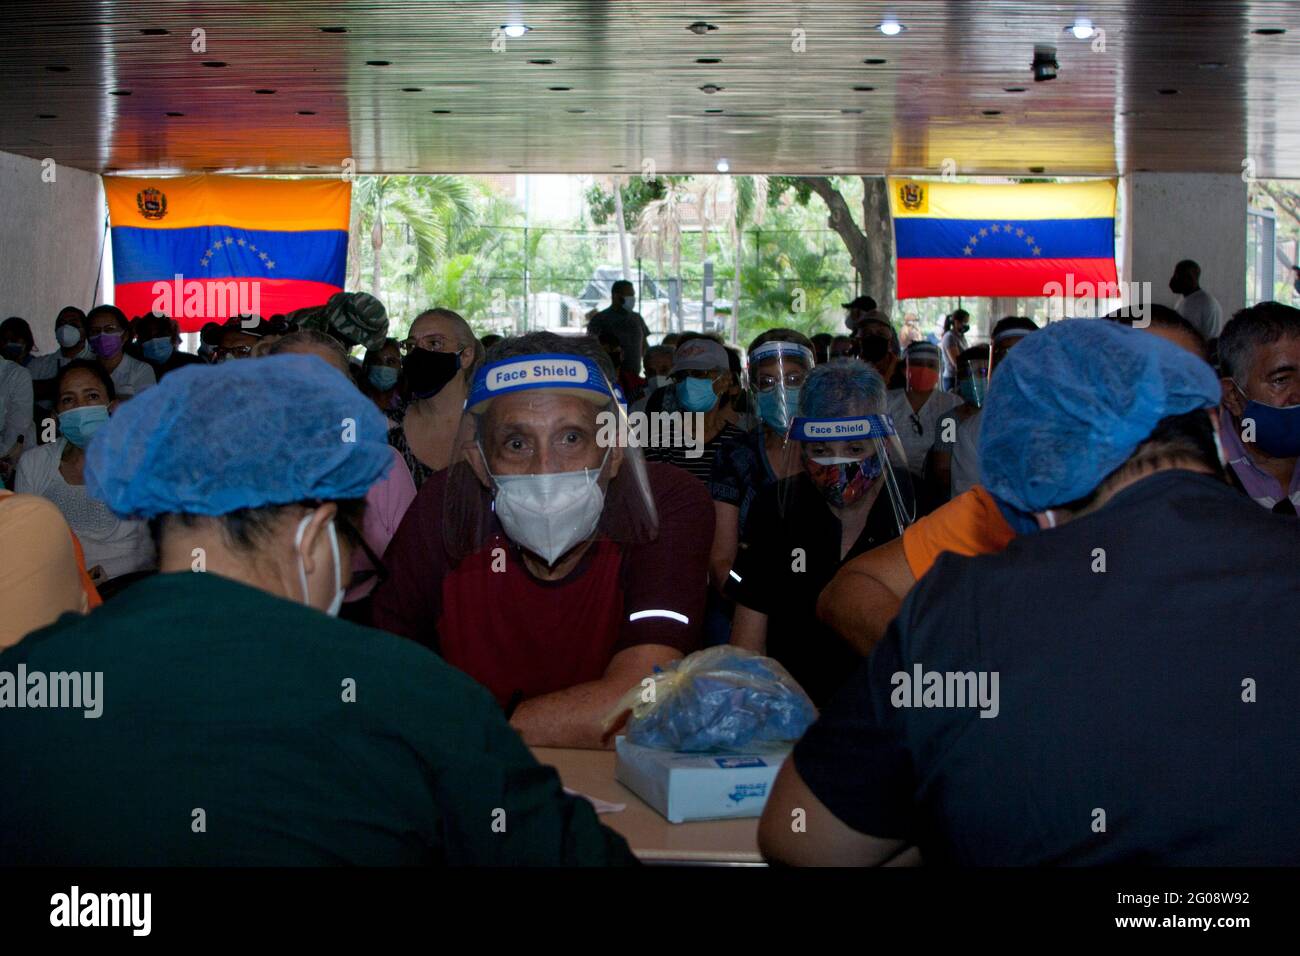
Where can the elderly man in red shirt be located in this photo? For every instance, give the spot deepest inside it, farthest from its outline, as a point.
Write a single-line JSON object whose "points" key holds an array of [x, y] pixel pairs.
{"points": [[549, 561]]}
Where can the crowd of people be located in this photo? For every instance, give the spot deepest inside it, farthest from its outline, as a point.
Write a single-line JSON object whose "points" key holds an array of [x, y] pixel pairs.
{"points": [[337, 584]]}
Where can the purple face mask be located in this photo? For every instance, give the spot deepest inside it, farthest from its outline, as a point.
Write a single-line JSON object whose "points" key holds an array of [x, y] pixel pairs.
{"points": [[106, 344]]}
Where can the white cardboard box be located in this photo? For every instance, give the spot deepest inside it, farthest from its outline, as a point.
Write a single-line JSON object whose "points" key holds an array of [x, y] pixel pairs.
{"points": [[694, 786]]}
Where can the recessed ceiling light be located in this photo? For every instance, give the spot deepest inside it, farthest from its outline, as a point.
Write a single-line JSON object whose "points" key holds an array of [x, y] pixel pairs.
{"points": [[214, 64], [615, 165], [699, 27], [710, 88], [1269, 31], [379, 62], [1037, 169], [1167, 91], [264, 92], [440, 112], [992, 112], [155, 32], [514, 30], [708, 59], [1013, 89], [412, 89], [723, 166], [541, 62], [875, 61], [863, 89], [333, 30], [312, 166], [850, 111], [58, 69], [306, 112], [714, 110], [559, 89], [47, 116], [890, 27], [119, 92], [1211, 65], [1081, 28], [174, 113], [575, 109]]}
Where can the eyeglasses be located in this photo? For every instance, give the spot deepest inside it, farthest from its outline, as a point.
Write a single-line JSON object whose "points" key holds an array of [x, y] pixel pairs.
{"points": [[766, 383], [238, 351], [432, 342]]}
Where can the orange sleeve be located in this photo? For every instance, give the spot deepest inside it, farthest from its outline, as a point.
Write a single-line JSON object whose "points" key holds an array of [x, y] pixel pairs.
{"points": [[970, 524], [93, 600]]}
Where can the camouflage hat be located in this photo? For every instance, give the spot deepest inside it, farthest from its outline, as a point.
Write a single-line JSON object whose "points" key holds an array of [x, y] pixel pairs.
{"points": [[355, 318]]}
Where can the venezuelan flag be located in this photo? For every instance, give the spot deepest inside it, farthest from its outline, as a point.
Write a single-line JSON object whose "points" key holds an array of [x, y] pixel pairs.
{"points": [[203, 248], [1012, 240]]}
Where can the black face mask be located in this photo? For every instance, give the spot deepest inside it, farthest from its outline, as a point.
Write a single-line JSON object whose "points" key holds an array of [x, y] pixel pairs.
{"points": [[872, 348], [427, 373]]}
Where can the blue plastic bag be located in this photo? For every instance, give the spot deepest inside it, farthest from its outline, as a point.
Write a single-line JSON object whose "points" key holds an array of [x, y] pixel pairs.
{"points": [[721, 699]]}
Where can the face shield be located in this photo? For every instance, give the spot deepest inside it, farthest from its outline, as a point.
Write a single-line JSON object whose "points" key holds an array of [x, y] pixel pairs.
{"points": [[973, 379], [545, 461], [850, 463], [922, 367], [776, 374]]}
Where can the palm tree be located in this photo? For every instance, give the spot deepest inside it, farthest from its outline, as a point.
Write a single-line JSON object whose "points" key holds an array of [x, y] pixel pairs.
{"points": [[658, 230], [433, 209]]}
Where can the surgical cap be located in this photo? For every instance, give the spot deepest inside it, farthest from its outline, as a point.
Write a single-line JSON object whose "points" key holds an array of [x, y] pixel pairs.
{"points": [[1071, 403], [211, 439]]}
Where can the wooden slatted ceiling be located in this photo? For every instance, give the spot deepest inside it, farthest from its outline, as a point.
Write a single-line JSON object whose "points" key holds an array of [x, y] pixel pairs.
{"points": [[632, 87]]}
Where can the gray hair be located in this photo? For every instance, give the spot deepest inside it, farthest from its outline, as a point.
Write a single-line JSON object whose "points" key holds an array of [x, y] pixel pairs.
{"points": [[842, 389], [1260, 325], [310, 340]]}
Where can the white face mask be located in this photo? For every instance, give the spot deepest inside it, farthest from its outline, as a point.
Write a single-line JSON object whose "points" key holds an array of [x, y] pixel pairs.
{"points": [[337, 602], [68, 336], [656, 382], [550, 514]]}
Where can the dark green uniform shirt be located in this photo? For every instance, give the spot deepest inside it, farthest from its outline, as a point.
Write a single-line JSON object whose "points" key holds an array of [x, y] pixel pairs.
{"points": [[226, 738]]}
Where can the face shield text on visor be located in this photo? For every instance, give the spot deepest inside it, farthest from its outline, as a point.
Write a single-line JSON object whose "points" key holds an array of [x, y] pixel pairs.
{"points": [[776, 375], [542, 461], [844, 458]]}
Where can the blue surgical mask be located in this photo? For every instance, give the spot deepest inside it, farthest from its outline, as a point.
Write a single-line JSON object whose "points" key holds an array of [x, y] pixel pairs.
{"points": [[79, 424], [696, 394], [972, 391], [1277, 430], [157, 350], [382, 377], [778, 407]]}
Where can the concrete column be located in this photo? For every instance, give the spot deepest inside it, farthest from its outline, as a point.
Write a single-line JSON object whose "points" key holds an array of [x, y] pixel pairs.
{"points": [[1173, 216], [50, 231]]}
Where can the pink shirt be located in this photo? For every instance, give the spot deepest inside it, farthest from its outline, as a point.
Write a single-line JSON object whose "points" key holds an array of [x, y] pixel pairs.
{"points": [[386, 503]]}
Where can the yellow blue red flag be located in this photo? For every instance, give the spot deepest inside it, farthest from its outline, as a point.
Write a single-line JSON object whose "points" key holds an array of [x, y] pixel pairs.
{"points": [[204, 248], [1001, 240]]}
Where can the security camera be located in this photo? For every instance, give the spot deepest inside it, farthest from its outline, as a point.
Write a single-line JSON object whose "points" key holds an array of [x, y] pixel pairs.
{"points": [[1045, 65]]}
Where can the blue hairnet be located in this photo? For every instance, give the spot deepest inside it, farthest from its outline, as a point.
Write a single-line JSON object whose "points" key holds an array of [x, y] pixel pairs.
{"points": [[210, 439], [1072, 402]]}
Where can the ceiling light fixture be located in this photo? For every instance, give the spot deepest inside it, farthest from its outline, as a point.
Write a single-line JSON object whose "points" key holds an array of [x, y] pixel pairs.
{"points": [[58, 69], [1269, 31], [214, 64], [541, 62], [514, 30], [379, 62], [333, 29], [699, 28], [890, 27], [723, 166], [710, 88], [1081, 28], [875, 61]]}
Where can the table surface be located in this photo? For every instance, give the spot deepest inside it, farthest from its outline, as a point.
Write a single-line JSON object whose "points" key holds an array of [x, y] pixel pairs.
{"points": [[652, 838]]}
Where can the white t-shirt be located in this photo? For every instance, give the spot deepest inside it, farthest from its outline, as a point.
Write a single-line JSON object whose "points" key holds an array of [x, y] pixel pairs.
{"points": [[119, 546], [966, 454], [1202, 310], [919, 431], [15, 406], [132, 377]]}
